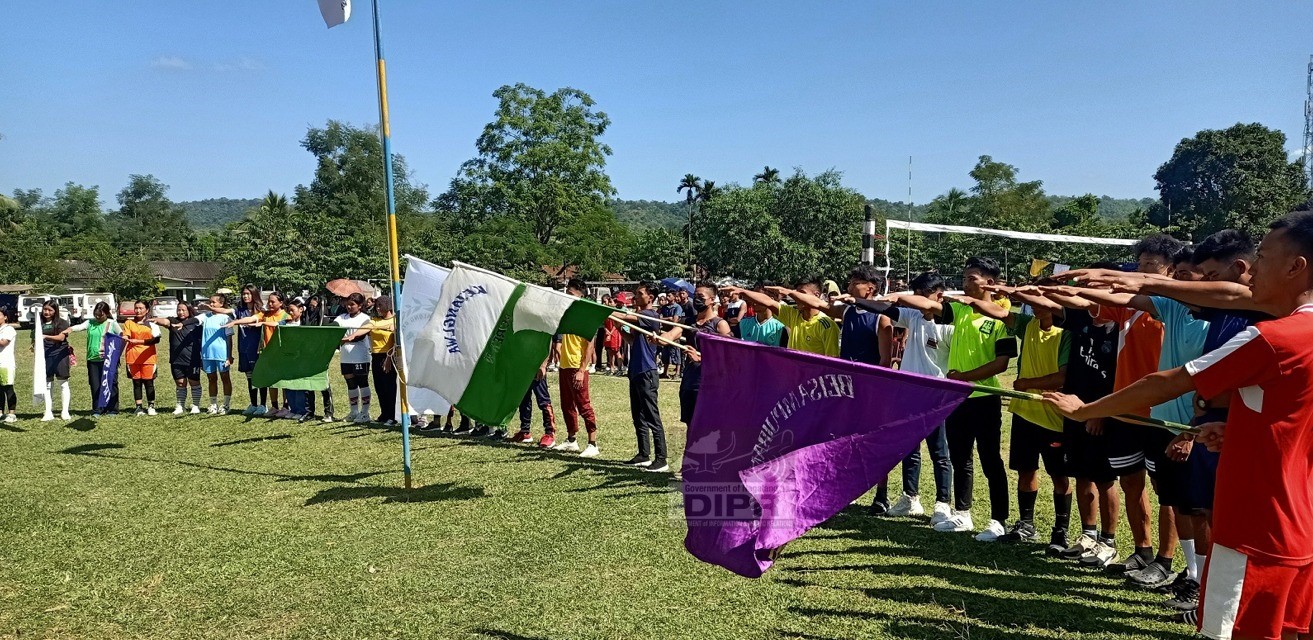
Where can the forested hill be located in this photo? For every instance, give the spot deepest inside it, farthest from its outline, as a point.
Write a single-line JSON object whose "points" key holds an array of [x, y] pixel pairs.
{"points": [[213, 213], [639, 214]]}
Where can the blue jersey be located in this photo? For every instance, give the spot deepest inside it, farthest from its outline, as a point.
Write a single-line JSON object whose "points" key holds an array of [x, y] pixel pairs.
{"points": [[1183, 341], [214, 338], [859, 336], [642, 353], [248, 337], [770, 332]]}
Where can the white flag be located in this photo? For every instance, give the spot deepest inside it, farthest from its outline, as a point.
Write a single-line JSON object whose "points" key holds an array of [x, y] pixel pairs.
{"points": [[38, 363], [335, 12], [419, 294]]}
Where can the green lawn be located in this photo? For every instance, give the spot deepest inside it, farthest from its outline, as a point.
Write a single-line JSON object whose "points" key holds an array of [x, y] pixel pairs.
{"points": [[223, 527]]}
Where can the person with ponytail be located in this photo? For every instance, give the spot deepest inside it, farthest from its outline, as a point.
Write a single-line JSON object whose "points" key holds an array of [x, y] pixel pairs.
{"points": [[54, 331], [140, 336], [355, 357]]}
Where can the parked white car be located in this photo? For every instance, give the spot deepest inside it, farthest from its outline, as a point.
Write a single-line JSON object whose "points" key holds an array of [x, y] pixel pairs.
{"points": [[164, 307], [29, 308], [85, 303]]}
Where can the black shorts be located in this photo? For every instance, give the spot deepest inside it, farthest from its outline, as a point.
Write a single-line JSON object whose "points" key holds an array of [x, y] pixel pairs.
{"points": [[185, 371], [1087, 454], [1203, 467], [1171, 480], [361, 369], [673, 355], [57, 367], [246, 362], [1125, 446], [1031, 443]]}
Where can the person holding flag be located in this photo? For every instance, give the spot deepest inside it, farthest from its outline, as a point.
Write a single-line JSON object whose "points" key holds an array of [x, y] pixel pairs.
{"points": [[268, 319], [706, 320], [644, 382], [53, 333], [101, 323]]}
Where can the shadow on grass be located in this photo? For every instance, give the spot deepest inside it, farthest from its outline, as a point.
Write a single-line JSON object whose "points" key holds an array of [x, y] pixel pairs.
{"points": [[969, 583], [82, 424], [99, 451], [427, 493], [281, 436], [505, 635], [12, 428]]}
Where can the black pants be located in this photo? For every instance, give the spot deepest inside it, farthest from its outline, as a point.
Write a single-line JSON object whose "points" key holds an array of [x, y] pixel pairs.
{"points": [[978, 423], [539, 394], [8, 398], [328, 401], [96, 371], [385, 388], [646, 414]]}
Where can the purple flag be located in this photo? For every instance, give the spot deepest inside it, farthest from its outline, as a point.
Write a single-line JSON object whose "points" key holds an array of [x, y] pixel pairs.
{"points": [[112, 345], [783, 440]]}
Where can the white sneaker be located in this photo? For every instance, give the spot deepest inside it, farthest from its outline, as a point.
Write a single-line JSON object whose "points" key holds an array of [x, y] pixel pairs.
{"points": [[140, 412], [941, 513], [959, 522], [1100, 556], [224, 410], [214, 409], [64, 415], [48, 417], [362, 417], [329, 419], [589, 451], [150, 411], [351, 415], [11, 418], [991, 532], [178, 410], [195, 409], [567, 446], [906, 506]]}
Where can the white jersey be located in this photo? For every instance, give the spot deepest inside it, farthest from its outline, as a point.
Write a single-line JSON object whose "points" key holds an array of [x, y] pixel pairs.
{"points": [[926, 349], [354, 352], [7, 363]]}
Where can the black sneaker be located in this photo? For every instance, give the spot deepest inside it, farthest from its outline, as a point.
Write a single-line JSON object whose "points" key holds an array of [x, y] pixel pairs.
{"points": [[1022, 531], [428, 426], [878, 508], [1057, 543], [481, 431], [658, 466], [1133, 562], [1151, 577], [1190, 617], [1170, 589], [496, 434], [1187, 596], [639, 461]]}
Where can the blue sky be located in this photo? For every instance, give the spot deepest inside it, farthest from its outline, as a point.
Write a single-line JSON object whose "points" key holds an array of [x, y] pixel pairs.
{"points": [[213, 97]]}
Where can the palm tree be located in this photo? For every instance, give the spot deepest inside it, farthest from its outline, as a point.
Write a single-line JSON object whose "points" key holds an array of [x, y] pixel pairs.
{"points": [[690, 186], [707, 191], [768, 175]]}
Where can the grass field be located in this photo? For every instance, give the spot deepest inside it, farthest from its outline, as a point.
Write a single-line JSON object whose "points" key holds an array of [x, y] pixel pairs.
{"points": [[224, 527]]}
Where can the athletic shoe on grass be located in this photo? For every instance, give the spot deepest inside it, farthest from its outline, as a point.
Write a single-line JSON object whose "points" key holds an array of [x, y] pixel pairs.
{"points": [[1022, 531], [959, 522], [547, 441], [907, 506], [992, 532], [1131, 564], [1187, 596], [942, 512], [1151, 577], [638, 461], [590, 451], [1057, 543], [658, 466], [568, 445], [1083, 544], [522, 437]]}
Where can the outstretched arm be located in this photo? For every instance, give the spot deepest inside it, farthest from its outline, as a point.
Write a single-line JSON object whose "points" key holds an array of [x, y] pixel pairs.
{"points": [[754, 297], [809, 300], [1216, 294], [983, 372], [1151, 390]]}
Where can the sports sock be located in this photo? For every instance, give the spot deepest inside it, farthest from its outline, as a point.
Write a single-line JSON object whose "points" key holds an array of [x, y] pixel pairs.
{"points": [[1165, 562], [196, 396], [1191, 569], [1061, 511], [48, 399], [1145, 553], [63, 395], [227, 401], [1026, 505], [1200, 561], [1108, 539], [1090, 531], [181, 393]]}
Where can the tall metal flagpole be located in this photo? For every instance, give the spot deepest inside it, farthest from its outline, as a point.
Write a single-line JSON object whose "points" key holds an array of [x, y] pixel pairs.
{"points": [[398, 359]]}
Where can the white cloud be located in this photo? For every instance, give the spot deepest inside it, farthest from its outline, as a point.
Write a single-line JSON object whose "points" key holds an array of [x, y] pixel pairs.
{"points": [[172, 63]]}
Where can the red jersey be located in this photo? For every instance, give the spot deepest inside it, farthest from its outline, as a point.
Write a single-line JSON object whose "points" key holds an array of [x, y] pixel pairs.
{"points": [[1139, 345], [1263, 505]]}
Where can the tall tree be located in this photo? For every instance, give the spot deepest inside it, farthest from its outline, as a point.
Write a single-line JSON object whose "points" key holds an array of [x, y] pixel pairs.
{"points": [[690, 186], [768, 176], [1236, 177], [541, 160], [147, 223]]}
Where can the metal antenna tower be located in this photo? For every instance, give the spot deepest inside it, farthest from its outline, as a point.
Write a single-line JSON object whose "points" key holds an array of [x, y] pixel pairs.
{"points": [[1308, 124]]}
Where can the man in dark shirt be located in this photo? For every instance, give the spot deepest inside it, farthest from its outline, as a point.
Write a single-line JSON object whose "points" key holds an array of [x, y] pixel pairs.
{"points": [[644, 382]]}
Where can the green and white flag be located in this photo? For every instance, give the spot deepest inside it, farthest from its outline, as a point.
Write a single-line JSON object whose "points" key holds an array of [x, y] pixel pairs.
{"points": [[487, 337]]}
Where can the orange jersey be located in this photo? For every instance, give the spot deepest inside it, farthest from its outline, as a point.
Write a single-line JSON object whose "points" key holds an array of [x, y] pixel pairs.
{"points": [[1139, 344], [279, 317], [140, 357]]}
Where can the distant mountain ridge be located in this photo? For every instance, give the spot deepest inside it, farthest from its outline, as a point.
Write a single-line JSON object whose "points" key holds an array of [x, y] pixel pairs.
{"points": [[213, 213]]}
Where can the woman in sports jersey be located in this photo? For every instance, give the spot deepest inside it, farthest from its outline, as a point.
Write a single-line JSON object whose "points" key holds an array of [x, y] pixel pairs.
{"points": [[101, 322], [54, 333], [184, 355], [268, 319], [140, 336], [248, 347], [355, 358], [8, 368]]}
